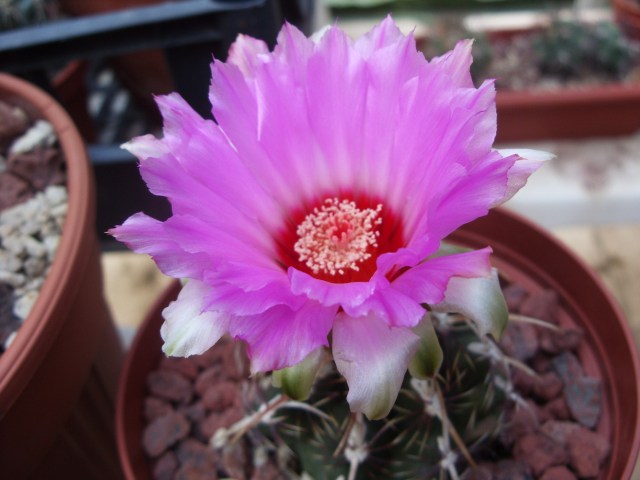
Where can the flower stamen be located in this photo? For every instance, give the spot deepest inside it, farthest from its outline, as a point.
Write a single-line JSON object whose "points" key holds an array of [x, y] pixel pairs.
{"points": [[338, 236]]}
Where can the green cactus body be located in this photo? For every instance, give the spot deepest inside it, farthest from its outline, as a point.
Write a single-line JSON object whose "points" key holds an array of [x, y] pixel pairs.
{"points": [[412, 442], [572, 49]]}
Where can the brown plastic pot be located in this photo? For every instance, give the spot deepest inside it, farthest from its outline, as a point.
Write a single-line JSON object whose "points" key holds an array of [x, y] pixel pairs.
{"points": [[523, 252], [610, 110], [58, 378], [627, 14]]}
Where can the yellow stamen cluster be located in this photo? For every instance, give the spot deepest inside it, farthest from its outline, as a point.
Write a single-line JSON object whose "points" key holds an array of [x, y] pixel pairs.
{"points": [[337, 236]]}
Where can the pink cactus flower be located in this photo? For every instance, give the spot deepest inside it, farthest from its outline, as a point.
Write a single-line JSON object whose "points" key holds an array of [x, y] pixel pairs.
{"points": [[307, 215]]}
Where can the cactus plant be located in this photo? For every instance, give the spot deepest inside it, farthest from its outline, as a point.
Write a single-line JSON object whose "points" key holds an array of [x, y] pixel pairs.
{"points": [[433, 430], [574, 49], [20, 13]]}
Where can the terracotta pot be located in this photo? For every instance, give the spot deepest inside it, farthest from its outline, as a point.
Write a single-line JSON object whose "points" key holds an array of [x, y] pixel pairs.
{"points": [[530, 257], [58, 377], [590, 112], [627, 14]]}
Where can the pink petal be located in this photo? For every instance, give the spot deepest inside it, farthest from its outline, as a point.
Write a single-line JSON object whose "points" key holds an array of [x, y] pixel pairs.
{"points": [[245, 53], [281, 337], [188, 329], [327, 293], [335, 97], [146, 235], [383, 34], [373, 358], [427, 282], [237, 301], [473, 195], [528, 162], [462, 126], [456, 64], [392, 305]]}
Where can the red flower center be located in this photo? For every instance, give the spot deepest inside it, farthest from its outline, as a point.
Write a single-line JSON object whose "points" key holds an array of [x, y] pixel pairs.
{"points": [[340, 239]]}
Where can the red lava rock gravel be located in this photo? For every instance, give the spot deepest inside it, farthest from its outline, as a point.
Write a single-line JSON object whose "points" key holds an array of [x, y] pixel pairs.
{"points": [[551, 434]]}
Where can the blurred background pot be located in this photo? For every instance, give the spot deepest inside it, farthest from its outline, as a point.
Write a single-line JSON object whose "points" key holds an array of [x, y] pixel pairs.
{"points": [[627, 14], [525, 254], [58, 377]]}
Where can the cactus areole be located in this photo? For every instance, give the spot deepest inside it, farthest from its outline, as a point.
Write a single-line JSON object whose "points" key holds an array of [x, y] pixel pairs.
{"points": [[308, 218]]}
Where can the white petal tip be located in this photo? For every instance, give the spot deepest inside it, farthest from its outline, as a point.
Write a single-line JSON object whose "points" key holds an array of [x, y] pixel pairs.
{"points": [[528, 154]]}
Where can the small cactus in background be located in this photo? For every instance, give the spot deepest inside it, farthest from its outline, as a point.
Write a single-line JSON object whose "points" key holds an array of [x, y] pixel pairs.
{"points": [[573, 49], [20, 13]]}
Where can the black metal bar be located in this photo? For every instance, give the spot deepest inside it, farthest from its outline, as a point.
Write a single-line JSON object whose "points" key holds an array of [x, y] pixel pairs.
{"points": [[157, 26]]}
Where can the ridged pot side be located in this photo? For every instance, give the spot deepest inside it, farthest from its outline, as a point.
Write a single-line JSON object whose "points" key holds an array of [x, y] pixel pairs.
{"points": [[57, 379], [524, 253]]}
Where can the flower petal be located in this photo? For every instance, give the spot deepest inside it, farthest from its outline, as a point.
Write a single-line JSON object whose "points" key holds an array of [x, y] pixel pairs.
{"points": [[427, 282], [187, 329], [282, 337], [393, 306], [383, 34], [479, 299], [456, 64], [245, 53], [327, 293], [373, 358], [144, 234], [528, 162], [240, 302]]}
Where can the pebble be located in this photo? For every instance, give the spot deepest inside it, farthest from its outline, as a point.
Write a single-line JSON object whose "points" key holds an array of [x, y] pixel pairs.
{"points": [[512, 470], [8, 262], [40, 134], [514, 295], [197, 454], [29, 238], [165, 467], [170, 386], [558, 473], [547, 386], [189, 472], [584, 399], [567, 366], [23, 304], [163, 432], [540, 452], [588, 450], [156, 408], [219, 397], [520, 341], [543, 305], [184, 366], [13, 190]]}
